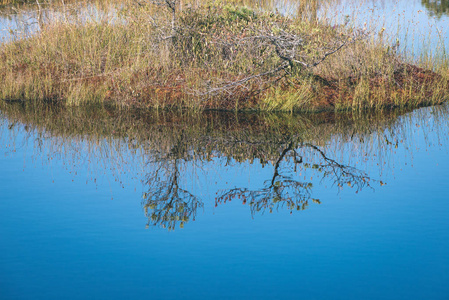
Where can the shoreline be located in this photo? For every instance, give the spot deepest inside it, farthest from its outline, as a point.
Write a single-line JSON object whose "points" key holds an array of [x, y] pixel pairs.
{"points": [[215, 57]]}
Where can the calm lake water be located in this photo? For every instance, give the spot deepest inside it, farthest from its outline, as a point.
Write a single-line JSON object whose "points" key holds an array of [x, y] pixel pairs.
{"points": [[98, 204], [223, 206]]}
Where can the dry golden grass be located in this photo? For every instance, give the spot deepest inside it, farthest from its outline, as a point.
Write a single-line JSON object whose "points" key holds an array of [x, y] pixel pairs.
{"points": [[131, 55]]}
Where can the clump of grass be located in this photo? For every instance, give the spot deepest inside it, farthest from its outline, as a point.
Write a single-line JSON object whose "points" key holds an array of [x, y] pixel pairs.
{"points": [[212, 56], [290, 98]]}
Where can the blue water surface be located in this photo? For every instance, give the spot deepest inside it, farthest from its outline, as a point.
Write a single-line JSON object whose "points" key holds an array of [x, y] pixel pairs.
{"points": [[66, 236]]}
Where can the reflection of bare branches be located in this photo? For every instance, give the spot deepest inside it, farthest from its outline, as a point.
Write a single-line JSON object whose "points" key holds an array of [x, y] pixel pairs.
{"points": [[340, 174], [284, 191], [169, 204]]}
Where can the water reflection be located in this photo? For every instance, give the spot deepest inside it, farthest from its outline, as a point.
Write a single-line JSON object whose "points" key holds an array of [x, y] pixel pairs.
{"points": [[436, 8], [165, 203], [302, 152], [285, 191]]}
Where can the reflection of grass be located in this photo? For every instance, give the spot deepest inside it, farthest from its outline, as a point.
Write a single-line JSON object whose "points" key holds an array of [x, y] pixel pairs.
{"points": [[214, 56], [160, 147], [247, 129], [436, 8], [242, 137]]}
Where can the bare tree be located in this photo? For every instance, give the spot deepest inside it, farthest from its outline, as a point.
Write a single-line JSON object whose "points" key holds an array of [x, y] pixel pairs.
{"points": [[245, 51]]}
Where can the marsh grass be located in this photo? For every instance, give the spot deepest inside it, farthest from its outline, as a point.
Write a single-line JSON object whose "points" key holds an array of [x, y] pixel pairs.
{"points": [[131, 55]]}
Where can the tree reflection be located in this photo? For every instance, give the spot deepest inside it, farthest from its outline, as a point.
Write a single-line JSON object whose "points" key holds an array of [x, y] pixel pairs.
{"points": [[280, 190], [283, 191], [166, 204], [165, 146], [436, 8]]}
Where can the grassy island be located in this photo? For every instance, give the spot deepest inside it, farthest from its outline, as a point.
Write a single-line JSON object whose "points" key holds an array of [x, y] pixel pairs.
{"points": [[166, 54]]}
